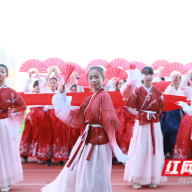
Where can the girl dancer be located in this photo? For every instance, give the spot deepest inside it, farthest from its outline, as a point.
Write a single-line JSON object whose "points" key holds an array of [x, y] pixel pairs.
{"points": [[12, 110], [33, 123], [183, 145], [170, 120], [146, 148], [89, 166], [53, 137]]}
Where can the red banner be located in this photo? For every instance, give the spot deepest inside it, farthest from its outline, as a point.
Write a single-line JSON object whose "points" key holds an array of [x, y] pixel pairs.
{"points": [[177, 168], [78, 98]]}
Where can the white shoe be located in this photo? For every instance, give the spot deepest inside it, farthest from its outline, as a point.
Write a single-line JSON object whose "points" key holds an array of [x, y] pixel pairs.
{"points": [[152, 185], [136, 186], [5, 189], [41, 162], [23, 161]]}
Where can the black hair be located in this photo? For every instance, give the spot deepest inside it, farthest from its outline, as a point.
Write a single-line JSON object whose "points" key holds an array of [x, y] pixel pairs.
{"points": [[36, 83], [53, 78], [147, 70], [162, 79], [6, 69], [74, 85]]}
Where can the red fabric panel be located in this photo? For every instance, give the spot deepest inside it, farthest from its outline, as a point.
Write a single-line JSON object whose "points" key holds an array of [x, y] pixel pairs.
{"points": [[78, 98]]}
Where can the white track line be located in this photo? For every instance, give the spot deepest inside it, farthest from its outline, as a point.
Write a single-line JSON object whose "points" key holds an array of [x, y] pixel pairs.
{"points": [[117, 184], [57, 170]]}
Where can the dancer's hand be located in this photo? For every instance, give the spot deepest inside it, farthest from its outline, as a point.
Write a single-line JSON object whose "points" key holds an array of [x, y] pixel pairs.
{"points": [[61, 89], [30, 74], [182, 104]]}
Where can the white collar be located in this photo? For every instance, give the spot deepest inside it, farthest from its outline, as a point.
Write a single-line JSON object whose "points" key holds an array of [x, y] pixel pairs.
{"points": [[2, 86], [148, 89]]}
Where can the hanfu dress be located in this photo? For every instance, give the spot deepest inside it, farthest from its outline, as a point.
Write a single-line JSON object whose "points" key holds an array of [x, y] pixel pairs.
{"points": [[90, 162], [183, 144], [53, 136], [146, 148], [33, 123], [12, 110], [171, 120]]}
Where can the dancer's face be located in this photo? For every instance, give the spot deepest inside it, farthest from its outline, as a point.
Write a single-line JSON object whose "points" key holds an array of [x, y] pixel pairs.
{"points": [[3, 74], [95, 79], [53, 84], [148, 78], [74, 89], [121, 83], [37, 89], [176, 78]]}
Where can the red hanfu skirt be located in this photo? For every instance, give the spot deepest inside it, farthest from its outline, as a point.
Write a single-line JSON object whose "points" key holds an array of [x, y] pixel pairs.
{"points": [[60, 138], [45, 150], [30, 138], [125, 131], [183, 145]]}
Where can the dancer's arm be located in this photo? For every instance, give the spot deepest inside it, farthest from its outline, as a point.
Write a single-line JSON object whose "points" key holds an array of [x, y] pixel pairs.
{"points": [[27, 84], [16, 112], [186, 108], [128, 90]]}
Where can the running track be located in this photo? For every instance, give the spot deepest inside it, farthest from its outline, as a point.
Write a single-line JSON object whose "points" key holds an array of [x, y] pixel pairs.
{"points": [[38, 175]]}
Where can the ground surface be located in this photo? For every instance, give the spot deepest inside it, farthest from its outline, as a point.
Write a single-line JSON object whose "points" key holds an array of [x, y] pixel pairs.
{"points": [[38, 175]]}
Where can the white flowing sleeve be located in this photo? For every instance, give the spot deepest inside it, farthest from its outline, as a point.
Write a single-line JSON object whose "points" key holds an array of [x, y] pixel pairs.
{"points": [[171, 91], [186, 108], [134, 80], [67, 90], [43, 84], [61, 81], [108, 86], [133, 111], [185, 89], [15, 113], [26, 86], [117, 151], [62, 105]]}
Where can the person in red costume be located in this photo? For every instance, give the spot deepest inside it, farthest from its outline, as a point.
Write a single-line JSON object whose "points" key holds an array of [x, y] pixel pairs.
{"points": [[53, 142], [12, 111], [89, 165], [146, 148], [33, 123]]}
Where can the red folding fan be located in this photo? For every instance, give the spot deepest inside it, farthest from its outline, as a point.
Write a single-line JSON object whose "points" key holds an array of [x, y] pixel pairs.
{"points": [[188, 66], [116, 63], [116, 72], [83, 81], [97, 62], [33, 63], [51, 62], [67, 73], [80, 70], [159, 63], [138, 65], [174, 67]]}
